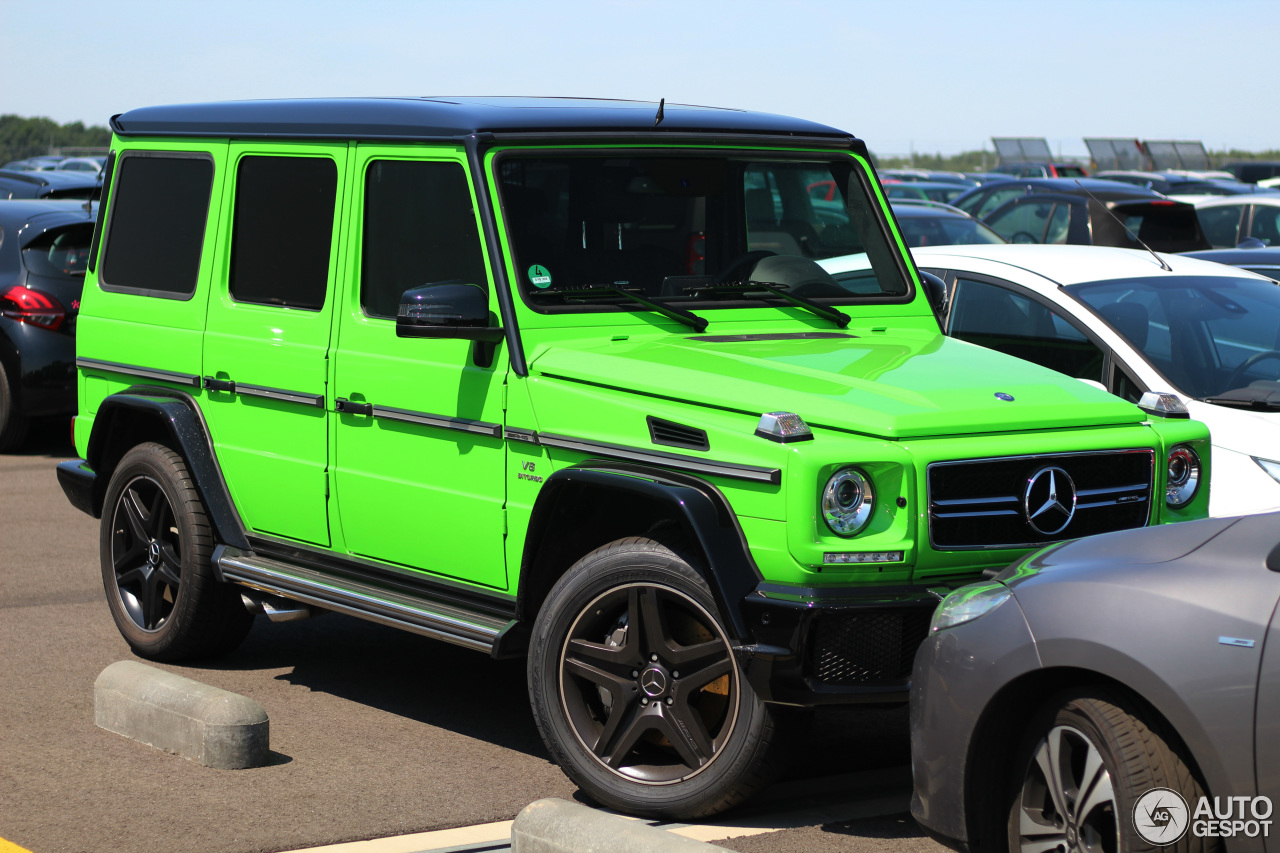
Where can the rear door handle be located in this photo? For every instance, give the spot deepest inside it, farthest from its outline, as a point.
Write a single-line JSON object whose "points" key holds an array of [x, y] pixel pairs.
{"points": [[347, 407]]}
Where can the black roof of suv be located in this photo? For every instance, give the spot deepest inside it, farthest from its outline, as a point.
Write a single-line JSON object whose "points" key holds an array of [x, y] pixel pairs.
{"points": [[451, 118]]}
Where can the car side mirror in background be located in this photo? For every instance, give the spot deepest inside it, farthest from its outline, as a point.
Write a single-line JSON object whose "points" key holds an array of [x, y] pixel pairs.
{"points": [[1251, 243], [936, 291], [449, 309]]}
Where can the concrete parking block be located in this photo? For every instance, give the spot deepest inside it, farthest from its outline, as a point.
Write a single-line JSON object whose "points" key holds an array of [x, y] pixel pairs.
{"points": [[208, 725], [559, 826]]}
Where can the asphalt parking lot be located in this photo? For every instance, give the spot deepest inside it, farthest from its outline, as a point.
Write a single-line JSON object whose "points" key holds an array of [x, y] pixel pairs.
{"points": [[374, 732]]}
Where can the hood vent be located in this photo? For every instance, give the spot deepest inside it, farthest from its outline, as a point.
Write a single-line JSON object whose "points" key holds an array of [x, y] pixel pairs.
{"points": [[673, 434]]}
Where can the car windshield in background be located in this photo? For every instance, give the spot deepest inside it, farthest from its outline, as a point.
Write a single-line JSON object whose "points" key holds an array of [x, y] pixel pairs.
{"points": [[1213, 337], [689, 229]]}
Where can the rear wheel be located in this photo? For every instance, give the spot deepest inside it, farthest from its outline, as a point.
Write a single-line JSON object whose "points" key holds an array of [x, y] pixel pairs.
{"points": [[156, 550], [636, 690], [13, 424]]}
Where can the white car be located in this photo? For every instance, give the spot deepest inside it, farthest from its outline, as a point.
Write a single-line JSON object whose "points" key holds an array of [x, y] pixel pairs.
{"points": [[1118, 319], [1227, 220]]}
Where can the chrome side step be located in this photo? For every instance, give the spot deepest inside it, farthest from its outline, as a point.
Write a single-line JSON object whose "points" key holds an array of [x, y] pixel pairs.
{"points": [[437, 620]]}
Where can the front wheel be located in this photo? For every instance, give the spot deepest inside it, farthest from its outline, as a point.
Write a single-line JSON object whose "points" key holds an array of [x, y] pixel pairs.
{"points": [[636, 690], [1095, 777], [156, 551]]}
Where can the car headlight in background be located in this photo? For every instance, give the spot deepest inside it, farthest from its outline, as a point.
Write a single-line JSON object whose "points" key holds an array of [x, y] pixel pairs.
{"points": [[1270, 466], [968, 603], [847, 501], [1183, 476]]}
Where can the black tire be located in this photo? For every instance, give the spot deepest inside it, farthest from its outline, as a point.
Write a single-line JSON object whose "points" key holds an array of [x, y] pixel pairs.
{"points": [[1076, 729], [13, 424], [655, 743], [155, 548]]}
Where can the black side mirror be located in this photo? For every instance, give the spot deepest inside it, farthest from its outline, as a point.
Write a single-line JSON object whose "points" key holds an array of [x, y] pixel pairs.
{"points": [[936, 291], [449, 309]]}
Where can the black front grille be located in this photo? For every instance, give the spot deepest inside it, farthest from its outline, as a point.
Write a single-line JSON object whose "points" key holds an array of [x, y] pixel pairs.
{"points": [[872, 646], [984, 503]]}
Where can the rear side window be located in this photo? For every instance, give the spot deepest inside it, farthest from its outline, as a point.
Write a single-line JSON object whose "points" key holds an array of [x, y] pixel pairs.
{"points": [[157, 223], [419, 227], [283, 231]]}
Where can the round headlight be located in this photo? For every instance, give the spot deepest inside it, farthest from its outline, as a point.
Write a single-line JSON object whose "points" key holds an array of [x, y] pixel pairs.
{"points": [[847, 501], [1183, 477]]}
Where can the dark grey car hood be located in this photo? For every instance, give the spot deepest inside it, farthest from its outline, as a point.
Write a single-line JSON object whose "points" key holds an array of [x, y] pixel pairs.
{"points": [[1116, 552]]}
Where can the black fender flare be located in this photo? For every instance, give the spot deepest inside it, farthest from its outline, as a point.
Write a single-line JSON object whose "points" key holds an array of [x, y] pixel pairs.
{"points": [[699, 507], [178, 417]]}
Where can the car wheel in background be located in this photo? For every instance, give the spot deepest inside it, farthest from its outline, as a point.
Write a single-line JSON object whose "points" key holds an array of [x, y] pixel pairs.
{"points": [[636, 690], [1087, 760], [156, 548], [13, 424]]}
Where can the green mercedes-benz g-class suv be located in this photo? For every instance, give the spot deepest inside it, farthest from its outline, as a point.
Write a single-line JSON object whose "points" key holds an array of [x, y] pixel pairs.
{"points": [[563, 379]]}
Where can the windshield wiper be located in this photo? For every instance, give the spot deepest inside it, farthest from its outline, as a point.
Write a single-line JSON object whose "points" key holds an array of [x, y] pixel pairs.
{"points": [[743, 287], [586, 291], [1265, 399]]}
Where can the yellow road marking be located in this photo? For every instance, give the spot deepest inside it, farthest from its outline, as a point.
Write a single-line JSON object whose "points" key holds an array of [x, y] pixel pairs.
{"points": [[10, 847]]}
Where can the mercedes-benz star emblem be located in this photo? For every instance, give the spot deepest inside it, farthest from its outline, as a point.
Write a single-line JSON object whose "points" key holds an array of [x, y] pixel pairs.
{"points": [[654, 681], [1049, 503], [153, 551]]}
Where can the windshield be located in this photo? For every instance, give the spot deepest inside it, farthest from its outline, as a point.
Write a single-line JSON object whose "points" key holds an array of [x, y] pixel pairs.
{"points": [[673, 228], [1208, 335]]}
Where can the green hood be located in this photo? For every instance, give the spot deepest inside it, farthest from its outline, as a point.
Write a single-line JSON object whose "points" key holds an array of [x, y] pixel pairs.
{"points": [[899, 385]]}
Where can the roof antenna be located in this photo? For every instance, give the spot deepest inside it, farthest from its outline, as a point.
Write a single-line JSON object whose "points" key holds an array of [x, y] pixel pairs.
{"points": [[1164, 264], [657, 120]]}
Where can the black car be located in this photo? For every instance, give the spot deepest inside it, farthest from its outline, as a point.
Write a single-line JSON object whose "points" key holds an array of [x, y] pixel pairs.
{"points": [[1254, 170], [984, 199], [43, 249], [49, 184], [1087, 213], [1171, 183]]}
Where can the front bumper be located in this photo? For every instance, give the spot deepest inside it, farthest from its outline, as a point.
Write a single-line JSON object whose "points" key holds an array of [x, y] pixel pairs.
{"points": [[837, 646]]}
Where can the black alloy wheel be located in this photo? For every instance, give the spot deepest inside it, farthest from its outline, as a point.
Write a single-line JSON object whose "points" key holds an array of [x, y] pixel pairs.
{"points": [[648, 683], [145, 548], [156, 551], [636, 689]]}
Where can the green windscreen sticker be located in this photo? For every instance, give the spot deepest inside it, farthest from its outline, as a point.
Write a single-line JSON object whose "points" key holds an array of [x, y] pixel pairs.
{"points": [[539, 276]]}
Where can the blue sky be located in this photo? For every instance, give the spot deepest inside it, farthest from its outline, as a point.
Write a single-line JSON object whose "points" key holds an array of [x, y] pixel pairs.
{"points": [[923, 75]]}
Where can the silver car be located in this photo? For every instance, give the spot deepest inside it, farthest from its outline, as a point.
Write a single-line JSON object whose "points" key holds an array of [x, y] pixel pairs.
{"points": [[1115, 693]]}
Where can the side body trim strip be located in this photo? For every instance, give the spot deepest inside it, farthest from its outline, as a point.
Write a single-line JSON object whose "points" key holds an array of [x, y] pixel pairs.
{"points": [[732, 470], [136, 370], [409, 416]]}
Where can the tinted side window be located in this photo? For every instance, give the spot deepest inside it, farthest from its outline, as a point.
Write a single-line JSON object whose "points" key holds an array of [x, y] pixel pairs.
{"points": [[1266, 224], [1221, 224], [419, 227], [157, 225], [283, 230], [997, 198], [994, 317], [1026, 222]]}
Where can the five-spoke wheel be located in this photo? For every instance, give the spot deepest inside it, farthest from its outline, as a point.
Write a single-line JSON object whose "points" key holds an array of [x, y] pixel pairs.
{"points": [[648, 683], [636, 689], [156, 551], [144, 553]]}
